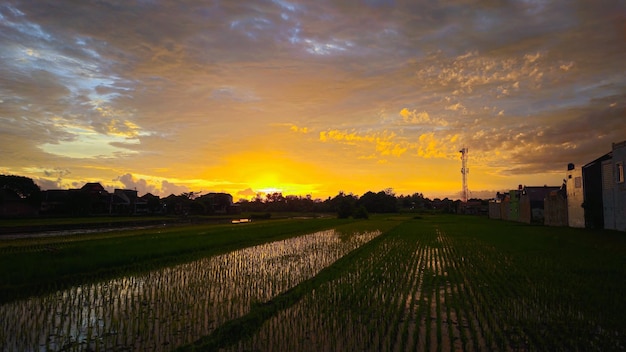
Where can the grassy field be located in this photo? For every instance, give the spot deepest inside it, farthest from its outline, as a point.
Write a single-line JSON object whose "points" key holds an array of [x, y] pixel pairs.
{"points": [[439, 283]]}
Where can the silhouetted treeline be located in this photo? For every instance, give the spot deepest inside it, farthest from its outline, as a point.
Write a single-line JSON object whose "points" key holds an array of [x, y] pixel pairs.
{"points": [[20, 196], [350, 205]]}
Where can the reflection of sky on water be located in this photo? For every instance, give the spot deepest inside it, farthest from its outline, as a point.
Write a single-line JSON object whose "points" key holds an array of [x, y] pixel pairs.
{"points": [[172, 306]]}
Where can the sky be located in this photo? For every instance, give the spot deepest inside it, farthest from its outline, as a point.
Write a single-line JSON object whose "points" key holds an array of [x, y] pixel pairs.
{"points": [[309, 97]]}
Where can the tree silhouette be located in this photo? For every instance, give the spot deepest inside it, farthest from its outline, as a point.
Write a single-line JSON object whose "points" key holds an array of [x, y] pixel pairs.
{"points": [[24, 187], [381, 202]]}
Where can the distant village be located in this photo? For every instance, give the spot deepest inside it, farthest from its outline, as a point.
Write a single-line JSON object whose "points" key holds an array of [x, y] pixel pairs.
{"points": [[591, 196], [94, 200]]}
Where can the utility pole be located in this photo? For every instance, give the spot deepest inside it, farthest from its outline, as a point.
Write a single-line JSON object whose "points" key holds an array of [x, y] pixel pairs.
{"points": [[464, 172]]}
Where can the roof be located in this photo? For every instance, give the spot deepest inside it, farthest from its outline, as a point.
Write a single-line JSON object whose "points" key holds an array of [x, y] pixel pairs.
{"points": [[92, 187], [604, 157], [617, 145], [539, 193]]}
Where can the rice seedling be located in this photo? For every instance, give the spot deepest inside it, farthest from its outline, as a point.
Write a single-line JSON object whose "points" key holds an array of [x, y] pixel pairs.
{"points": [[35, 265], [458, 285], [171, 306], [438, 283]]}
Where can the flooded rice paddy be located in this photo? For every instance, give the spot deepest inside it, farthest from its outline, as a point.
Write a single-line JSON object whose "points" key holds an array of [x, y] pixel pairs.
{"points": [[434, 291], [169, 307], [453, 285]]}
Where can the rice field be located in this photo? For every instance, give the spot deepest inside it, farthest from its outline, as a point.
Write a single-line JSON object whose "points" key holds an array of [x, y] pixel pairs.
{"points": [[441, 283], [172, 306], [439, 287]]}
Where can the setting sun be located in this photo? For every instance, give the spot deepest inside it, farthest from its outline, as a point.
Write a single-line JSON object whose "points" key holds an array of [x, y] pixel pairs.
{"points": [[299, 98]]}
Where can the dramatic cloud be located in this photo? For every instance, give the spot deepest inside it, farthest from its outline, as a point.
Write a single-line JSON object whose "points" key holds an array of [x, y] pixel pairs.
{"points": [[140, 185], [168, 188], [308, 97]]}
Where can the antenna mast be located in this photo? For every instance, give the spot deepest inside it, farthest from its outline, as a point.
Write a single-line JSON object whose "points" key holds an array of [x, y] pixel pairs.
{"points": [[464, 172]]}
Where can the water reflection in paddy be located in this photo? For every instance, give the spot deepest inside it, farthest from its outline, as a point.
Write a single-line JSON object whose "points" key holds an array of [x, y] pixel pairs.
{"points": [[172, 306]]}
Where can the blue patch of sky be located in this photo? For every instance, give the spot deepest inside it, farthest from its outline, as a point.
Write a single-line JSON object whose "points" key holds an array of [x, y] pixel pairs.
{"points": [[286, 5], [14, 11], [83, 43], [294, 34], [88, 144], [326, 48], [251, 27], [75, 73], [23, 26]]}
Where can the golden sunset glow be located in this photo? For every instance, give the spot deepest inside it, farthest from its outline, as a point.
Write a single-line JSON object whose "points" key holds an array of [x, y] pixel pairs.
{"points": [[301, 98]]}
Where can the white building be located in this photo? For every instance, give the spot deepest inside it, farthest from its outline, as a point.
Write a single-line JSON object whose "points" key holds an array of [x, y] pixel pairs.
{"points": [[575, 197], [614, 189]]}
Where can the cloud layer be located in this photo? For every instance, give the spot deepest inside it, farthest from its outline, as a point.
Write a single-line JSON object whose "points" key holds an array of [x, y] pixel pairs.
{"points": [[188, 95]]}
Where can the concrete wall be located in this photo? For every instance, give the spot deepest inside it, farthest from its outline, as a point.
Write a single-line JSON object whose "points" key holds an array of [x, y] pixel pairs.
{"points": [[619, 166], [505, 209], [513, 205], [614, 189], [608, 202], [575, 198], [525, 211], [555, 210], [495, 210]]}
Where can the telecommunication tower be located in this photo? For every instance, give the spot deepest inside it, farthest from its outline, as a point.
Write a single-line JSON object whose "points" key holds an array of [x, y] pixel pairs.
{"points": [[464, 172]]}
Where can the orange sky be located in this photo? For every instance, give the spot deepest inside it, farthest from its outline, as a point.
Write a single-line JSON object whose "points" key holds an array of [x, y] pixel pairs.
{"points": [[309, 97]]}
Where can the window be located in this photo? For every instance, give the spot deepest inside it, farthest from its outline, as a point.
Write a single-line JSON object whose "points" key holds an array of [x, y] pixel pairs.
{"points": [[578, 182], [619, 172]]}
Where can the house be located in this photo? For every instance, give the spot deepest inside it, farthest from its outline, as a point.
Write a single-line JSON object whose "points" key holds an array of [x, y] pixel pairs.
{"points": [[494, 209], [97, 198], [592, 190], [216, 203], [555, 206], [513, 204], [505, 206], [153, 203], [126, 202], [531, 203], [473, 207], [575, 196], [614, 188], [496, 206], [91, 199], [54, 201]]}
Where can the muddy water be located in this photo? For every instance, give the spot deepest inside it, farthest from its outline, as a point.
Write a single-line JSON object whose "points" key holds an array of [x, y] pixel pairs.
{"points": [[169, 307]]}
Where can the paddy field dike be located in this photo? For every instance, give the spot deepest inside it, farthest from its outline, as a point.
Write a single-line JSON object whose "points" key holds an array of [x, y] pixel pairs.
{"points": [[390, 283]]}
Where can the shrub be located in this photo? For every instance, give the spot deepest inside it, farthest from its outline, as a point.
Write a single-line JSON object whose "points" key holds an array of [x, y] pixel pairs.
{"points": [[360, 213]]}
